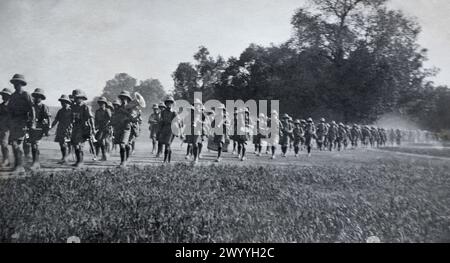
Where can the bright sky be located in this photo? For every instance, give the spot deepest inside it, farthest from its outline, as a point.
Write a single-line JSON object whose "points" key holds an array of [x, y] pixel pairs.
{"points": [[61, 45]]}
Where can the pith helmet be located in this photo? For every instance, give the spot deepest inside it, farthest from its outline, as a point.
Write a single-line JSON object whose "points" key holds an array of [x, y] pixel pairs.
{"points": [[333, 122], [161, 105], [6, 91], [285, 116], [341, 124], [302, 121], [310, 120], [125, 94], [38, 93], [110, 105], [117, 102], [64, 98], [18, 78], [322, 120], [102, 99], [297, 122], [79, 94], [155, 106], [169, 99]]}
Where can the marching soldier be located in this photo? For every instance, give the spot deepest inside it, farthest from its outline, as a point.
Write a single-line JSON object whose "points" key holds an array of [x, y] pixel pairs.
{"points": [[102, 118], [365, 132], [153, 122], [197, 129], [22, 113], [64, 130], [261, 124], [286, 130], [298, 136], [274, 137], [161, 107], [42, 125], [4, 129], [83, 126], [322, 131], [398, 137], [355, 135], [125, 117], [332, 135], [310, 134], [166, 134], [341, 135], [108, 140], [243, 125], [220, 139], [374, 137]]}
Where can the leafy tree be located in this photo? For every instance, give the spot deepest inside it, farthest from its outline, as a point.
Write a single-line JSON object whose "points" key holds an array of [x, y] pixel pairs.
{"points": [[152, 91], [120, 82]]}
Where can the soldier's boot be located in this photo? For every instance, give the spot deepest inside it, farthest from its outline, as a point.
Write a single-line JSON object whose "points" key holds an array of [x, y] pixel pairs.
{"points": [[64, 155], [18, 166], [169, 157], [123, 162], [128, 151], [80, 158], [35, 154], [159, 150], [104, 155], [166, 153]]}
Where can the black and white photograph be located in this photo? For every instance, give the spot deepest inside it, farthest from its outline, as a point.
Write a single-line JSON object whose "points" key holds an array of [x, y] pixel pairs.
{"points": [[225, 122]]}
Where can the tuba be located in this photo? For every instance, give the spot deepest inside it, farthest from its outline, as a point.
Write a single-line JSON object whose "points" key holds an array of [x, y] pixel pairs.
{"points": [[137, 103]]}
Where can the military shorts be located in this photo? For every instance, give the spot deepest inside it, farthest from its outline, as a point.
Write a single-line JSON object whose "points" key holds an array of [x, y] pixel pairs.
{"points": [[35, 136], [17, 129], [122, 136]]}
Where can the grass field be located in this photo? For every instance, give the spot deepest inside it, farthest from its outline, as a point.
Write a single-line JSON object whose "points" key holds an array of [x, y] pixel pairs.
{"points": [[432, 151], [340, 197]]}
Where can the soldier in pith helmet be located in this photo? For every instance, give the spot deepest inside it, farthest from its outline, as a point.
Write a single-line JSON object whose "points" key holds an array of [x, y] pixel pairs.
{"points": [[22, 114], [4, 127], [83, 125], [103, 117], [42, 125], [64, 130]]}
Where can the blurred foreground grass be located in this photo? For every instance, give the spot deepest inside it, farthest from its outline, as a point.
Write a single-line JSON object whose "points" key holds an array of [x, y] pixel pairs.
{"points": [[407, 201]]}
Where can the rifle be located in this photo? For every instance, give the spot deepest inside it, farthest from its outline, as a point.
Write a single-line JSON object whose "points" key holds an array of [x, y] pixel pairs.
{"points": [[92, 141]]}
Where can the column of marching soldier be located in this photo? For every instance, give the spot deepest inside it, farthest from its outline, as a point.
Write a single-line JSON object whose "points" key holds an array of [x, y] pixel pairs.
{"points": [[25, 120]]}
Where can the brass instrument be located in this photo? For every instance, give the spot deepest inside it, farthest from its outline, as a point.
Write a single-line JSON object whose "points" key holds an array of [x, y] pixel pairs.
{"points": [[137, 103]]}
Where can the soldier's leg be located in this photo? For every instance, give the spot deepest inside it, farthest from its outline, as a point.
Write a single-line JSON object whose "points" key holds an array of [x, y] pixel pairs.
{"points": [[219, 152], [169, 154], [274, 149], [64, 152], [188, 151], [5, 150], [195, 151], [234, 147], [26, 149], [166, 152], [239, 148], [35, 154], [154, 143], [243, 151], [123, 158], [18, 155], [160, 148], [200, 148]]}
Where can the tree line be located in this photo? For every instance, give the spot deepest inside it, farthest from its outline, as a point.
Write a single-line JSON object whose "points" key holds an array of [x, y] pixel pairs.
{"points": [[347, 60]]}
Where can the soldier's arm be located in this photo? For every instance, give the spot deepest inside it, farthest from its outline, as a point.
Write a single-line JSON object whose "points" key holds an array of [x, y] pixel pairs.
{"points": [[56, 120], [31, 111]]}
